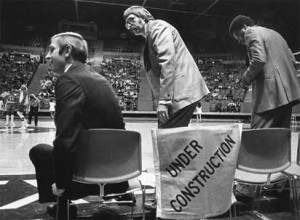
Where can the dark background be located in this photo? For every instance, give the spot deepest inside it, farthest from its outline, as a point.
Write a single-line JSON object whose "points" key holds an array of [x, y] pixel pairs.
{"points": [[203, 24]]}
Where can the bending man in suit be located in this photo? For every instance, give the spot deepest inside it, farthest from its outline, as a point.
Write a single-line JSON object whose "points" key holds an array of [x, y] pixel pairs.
{"points": [[173, 75], [271, 71], [84, 100]]}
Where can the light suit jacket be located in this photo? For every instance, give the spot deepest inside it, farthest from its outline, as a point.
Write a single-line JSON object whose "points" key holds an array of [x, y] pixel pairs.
{"points": [[170, 68], [271, 70]]}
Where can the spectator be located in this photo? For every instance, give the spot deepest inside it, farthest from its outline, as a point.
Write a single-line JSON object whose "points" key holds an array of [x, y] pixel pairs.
{"points": [[52, 107], [1, 107], [34, 109], [198, 112]]}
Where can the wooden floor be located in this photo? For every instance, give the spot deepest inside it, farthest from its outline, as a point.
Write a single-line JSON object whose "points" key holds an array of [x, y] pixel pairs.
{"points": [[18, 194]]}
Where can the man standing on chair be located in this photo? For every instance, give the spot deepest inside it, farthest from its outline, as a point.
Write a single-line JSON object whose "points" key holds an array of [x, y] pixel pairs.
{"points": [[271, 71], [173, 75], [84, 100]]}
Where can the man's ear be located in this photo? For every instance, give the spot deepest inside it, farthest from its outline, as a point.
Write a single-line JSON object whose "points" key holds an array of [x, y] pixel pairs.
{"points": [[68, 50]]}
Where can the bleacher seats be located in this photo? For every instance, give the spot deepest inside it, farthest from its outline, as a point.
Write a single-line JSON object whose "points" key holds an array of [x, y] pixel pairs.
{"points": [[122, 46]]}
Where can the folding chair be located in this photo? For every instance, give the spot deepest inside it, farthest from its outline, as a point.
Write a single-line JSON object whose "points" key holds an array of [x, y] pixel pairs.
{"points": [[107, 156], [294, 172], [263, 155]]}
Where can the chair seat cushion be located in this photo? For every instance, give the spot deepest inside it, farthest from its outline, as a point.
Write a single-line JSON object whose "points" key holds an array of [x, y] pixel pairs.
{"points": [[253, 178]]}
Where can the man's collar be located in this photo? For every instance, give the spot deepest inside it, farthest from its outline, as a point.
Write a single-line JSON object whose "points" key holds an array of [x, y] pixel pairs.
{"points": [[67, 67], [145, 30]]}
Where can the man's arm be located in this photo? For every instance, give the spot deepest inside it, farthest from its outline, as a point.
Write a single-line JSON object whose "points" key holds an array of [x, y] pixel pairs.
{"points": [[162, 42], [70, 101], [255, 44]]}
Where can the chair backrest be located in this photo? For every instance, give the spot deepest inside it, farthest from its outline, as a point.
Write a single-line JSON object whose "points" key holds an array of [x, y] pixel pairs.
{"points": [[298, 150], [107, 156], [266, 150]]}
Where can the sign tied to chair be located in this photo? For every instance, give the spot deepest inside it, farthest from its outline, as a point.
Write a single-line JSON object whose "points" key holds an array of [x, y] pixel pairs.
{"points": [[195, 169]]}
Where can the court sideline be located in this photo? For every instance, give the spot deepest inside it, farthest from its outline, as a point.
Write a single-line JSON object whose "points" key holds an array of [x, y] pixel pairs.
{"points": [[18, 197]]}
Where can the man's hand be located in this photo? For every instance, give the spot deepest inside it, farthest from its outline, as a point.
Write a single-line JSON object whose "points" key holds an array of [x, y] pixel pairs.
{"points": [[296, 64], [245, 81], [57, 191], [162, 113]]}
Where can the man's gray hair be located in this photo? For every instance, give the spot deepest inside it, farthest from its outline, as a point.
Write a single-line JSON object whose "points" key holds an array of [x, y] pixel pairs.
{"points": [[76, 41], [138, 11]]}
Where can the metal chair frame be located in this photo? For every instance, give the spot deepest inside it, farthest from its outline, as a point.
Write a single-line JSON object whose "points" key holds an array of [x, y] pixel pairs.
{"points": [[294, 172], [107, 156], [264, 152]]}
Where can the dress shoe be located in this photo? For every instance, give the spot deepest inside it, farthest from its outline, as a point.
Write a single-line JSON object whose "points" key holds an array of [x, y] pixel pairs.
{"points": [[126, 197], [52, 209], [244, 198], [151, 205]]}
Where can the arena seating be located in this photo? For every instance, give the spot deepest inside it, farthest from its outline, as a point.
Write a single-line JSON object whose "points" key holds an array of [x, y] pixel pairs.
{"points": [[125, 78], [223, 78], [16, 69], [120, 45], [224, 83]]}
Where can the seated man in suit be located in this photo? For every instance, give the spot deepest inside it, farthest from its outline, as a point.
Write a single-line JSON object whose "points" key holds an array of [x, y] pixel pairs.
{"points": [[84, 100]]}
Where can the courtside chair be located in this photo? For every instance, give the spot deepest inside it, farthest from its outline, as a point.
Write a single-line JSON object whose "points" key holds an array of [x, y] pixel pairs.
{"points": [[294, 172], [108, 156], [264, 154]]}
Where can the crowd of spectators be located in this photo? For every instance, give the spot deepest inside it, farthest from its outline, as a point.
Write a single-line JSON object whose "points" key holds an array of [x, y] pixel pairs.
{"points": [[48, 84], [124, 75], [16, 69], [223, 80], [122, 46], [47, 88], [224, 83]]}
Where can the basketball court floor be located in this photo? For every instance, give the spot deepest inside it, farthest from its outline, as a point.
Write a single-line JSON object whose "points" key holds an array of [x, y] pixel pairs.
{"points": [[18, 193]]}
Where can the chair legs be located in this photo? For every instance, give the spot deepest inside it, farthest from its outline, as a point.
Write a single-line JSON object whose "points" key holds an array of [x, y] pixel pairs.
{"points": [[255, 203], [101, 191], [257, 195], [234, 210], [132, 205], [235, 202], [295, 196], [102, 201], [143, 188], [230, 213], [62, 211]]}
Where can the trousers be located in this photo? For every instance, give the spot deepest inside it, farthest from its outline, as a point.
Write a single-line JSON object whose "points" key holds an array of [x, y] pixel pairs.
{"points": [[42, 158], [275, 118], [181, 118]]}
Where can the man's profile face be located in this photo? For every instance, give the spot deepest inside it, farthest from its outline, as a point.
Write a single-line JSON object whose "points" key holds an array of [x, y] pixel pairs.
{"points": [[240, 36], [135, 24], [57, 60]]}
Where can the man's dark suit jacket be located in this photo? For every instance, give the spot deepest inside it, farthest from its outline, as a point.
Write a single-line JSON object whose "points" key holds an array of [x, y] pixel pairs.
{"points": [[84, 100]]}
